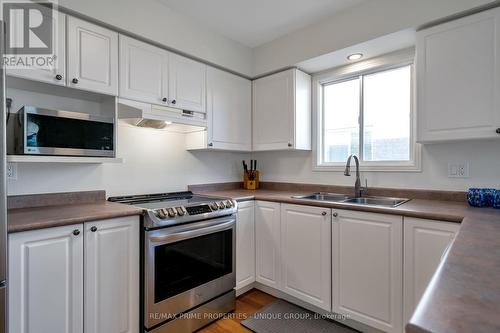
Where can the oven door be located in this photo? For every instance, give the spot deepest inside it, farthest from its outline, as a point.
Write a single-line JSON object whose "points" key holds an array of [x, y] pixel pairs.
{"points": [[186, 266]]}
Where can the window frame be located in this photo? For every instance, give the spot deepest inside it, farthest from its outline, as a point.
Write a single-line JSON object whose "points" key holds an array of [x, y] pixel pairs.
{"points": [[391, 61]]}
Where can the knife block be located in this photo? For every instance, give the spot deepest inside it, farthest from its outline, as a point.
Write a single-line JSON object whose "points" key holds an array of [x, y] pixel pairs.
{"points": [[251, 184]]}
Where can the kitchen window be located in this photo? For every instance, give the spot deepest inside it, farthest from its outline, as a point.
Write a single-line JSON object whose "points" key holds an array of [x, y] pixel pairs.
{"points": [[367, 113]]}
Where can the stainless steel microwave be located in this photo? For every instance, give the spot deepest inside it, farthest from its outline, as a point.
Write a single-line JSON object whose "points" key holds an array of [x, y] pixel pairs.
{"points": [[41, 131]]}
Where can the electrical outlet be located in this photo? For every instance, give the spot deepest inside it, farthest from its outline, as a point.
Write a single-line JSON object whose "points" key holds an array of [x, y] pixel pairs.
{"points": [[12, 171], [458, 170]]}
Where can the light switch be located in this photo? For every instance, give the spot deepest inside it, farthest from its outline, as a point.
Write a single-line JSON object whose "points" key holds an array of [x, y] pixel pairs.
{"points": [[12, 171]]}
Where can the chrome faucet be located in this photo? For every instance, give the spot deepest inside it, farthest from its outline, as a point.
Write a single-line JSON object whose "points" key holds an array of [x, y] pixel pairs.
{"points": [[358, 191]]}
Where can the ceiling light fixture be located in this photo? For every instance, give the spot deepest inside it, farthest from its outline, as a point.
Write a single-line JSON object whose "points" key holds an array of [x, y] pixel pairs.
{"points": [[355, 56]]}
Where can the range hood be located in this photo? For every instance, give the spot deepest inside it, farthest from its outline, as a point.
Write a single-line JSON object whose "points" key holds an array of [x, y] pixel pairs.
{"points": [[161, 117]]}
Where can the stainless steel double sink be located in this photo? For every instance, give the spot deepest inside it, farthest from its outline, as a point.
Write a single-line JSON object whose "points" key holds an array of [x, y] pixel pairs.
{"points": [[345, 199]]}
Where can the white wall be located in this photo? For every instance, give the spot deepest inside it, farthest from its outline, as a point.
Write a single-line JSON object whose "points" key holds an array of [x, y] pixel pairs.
{"points": [[369, 20], [154, 161], [484, 158], [153, 20]]}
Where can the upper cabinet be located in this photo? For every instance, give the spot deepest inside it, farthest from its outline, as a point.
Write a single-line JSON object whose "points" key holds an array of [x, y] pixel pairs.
{"points": [[143, 71], [154, 75], [86, 58], [92, 57], [282, 99], [187, 83], [57, 74], [458, 75], [229, 100]]}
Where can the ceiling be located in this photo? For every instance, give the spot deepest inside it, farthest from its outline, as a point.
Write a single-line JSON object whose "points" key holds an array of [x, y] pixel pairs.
{"points": [[255, 22]]}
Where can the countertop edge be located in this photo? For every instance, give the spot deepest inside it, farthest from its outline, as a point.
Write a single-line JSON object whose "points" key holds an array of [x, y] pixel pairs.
{"points": [[20, 221]]}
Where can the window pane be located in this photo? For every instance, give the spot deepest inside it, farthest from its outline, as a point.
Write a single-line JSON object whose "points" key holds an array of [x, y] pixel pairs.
{"points": [[387, 102], [341, 120]]}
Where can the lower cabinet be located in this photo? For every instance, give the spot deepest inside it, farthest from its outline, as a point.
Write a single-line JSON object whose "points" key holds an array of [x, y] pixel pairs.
{"points": [[111, 280], [348, 262], [306, 254], [245, 244], [58, 274], [46, 280], [367, 281], [425, 242], [268, 240]]}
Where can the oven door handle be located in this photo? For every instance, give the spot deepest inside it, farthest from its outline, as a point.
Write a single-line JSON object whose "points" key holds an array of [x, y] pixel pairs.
{"points": [[191, 233]]}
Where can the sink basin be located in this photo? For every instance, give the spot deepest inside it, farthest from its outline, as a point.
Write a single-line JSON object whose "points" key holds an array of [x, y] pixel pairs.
{"points": [[332, 197], [365, 201], [377, 201]]}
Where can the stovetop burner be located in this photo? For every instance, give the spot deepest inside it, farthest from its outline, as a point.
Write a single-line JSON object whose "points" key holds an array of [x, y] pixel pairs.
{"points": [[166, 209]]}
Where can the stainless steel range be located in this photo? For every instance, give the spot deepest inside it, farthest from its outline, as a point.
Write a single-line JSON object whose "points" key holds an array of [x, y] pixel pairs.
{"points": [[189, 259]]}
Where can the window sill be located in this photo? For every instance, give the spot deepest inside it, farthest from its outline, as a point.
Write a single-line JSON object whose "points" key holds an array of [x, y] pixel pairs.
{"points": [[370, 168]]}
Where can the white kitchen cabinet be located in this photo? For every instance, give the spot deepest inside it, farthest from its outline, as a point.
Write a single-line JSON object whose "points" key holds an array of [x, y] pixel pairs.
{"points": [[92, 57], [245, 244], [367, 268], [425, 242], [46, 280], [267, 235], [229, 100], [57, 73], [187, 83], [306, 253], [143, 72], [458, 79], [282, 111], [72, 279], [112, 276]]}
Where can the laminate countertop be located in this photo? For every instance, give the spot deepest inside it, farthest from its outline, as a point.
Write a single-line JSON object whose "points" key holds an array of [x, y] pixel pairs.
{"points": [[464, 294], [32, 218]]}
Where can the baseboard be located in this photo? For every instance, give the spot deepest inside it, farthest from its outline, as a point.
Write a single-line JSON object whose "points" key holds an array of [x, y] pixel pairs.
{"points": [[244, 289]]}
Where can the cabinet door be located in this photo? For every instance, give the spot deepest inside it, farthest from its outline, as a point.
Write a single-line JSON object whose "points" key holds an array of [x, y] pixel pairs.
{"points": [[273, 111], [50, 74], [187, 83], [143, 71], [306, 253], [458, 73], [46, 280], [229, 111], [92, 57], [112, 276], [267, 236], [367, 268], [245, 244], [425, 242]]}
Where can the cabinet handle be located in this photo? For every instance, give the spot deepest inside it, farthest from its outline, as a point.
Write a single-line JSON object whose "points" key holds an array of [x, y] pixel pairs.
{"points": [[335, 214], [174, 101], [93, 229], [76, 232], [324, 213], [498, 130], [164, 99], [210, 144], [75, 80], [58, 77]]}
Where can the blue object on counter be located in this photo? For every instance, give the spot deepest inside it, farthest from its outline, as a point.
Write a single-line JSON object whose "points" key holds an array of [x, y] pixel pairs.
{"points": [[476, 197], [496, 199], [488, 196]]}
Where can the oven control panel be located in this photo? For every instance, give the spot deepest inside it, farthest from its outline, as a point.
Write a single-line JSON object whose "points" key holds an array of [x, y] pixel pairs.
{"points": [[197, 210], [211, 207]]}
